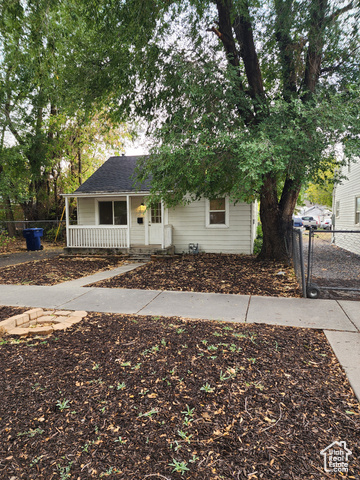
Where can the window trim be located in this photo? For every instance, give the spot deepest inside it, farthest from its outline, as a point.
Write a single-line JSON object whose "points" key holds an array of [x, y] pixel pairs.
{"points": [[337, 209], [112, 200], [207, 214], [357, 212]]}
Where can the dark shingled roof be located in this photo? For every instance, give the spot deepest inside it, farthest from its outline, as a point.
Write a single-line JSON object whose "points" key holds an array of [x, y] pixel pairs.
{"points": [[115, 175]]}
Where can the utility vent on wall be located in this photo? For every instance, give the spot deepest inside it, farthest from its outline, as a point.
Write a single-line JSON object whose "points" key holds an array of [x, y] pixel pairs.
{"points": [[193, 248]]}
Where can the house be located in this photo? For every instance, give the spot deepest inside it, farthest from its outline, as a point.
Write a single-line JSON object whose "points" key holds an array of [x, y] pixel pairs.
{"points": [[319, 212], [346, 205], [112, 214]]}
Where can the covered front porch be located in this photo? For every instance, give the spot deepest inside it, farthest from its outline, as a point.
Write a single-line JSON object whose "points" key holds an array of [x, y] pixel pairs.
{"points": [[116, 222]]}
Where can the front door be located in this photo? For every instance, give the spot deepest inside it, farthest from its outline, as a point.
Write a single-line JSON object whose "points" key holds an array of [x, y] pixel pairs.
{"points": [[155, 225]]}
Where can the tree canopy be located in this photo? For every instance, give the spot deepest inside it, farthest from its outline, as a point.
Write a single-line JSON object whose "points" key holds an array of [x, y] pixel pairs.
{"points": [[49, 133], [249, 98]]}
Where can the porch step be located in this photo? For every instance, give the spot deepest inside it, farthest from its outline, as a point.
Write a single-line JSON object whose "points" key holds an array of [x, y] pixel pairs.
{"points": [[144, 253], [139, 257]]}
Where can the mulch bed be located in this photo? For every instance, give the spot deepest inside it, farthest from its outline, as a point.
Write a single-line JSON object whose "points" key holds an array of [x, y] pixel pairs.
{"points": [[239, 274], [56, 270], [126, 397], [6, 312]]}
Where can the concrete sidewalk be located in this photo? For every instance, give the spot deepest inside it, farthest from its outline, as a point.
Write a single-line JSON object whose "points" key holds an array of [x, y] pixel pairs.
{"points": [[339, 319]]}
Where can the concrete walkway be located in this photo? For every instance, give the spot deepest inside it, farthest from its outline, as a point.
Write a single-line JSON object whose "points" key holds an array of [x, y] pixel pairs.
{"points": [[340, 320]]}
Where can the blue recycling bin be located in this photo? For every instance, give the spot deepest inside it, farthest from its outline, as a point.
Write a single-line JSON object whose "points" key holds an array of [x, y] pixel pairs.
{"points": [[32, 237]]}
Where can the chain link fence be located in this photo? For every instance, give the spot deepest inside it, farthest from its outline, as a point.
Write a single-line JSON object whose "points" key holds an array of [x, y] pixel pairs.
{"points": [[50, 227], [333, 264]]}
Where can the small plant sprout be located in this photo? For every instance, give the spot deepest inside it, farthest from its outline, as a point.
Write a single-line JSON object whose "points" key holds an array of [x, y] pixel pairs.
{"points": [[62, 405], [187, 421], [252, 337], [184, 436], [194, 458], [163, 342], [180, 467], [148, 414], [217, 334], [65, 471], [177, 446], [144, 391], [230, 373], [120, 386], [32, 432], [189, 412], [120, 440], [252, 360], [96, 366], [36, 460], [207, 388], [180, 330], [212, 348]]}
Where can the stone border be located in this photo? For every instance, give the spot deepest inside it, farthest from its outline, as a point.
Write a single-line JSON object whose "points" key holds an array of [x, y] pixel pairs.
{"points": [[41, 322]]}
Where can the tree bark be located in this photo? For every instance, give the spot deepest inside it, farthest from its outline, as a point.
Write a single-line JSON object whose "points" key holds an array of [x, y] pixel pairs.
{"points": [[9, 217], [276, 219]]}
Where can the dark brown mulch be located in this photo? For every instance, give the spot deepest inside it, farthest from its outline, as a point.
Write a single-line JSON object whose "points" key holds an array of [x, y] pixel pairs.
{"points": [[56, 270], [6, 312], [239, 274], [132, 398]]}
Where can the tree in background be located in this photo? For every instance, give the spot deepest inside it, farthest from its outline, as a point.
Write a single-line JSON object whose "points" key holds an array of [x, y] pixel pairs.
{"points": [[48, 141], [321, 193], [257, 114]]}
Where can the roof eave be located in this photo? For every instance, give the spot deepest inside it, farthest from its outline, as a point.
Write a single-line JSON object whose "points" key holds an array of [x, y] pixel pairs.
{"points": [[106, 194]]}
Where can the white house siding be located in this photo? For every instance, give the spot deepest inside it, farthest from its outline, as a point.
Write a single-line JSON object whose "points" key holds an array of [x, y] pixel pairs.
{"points": [[86, 211], [189, 226], [344, 196]]}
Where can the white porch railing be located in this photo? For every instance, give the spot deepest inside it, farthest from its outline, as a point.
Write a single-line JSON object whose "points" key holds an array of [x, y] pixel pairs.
{"points": [[97, 237], [168, 234]]}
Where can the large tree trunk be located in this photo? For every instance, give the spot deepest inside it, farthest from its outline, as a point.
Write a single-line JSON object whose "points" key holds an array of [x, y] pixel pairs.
{"points": [[9, 217], [274, 245], [276, 219]]}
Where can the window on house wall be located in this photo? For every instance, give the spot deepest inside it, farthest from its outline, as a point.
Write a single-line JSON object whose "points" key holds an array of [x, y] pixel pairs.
{"points": [[156, 213], [337, 209], [357, 209], [113, 213], [217, 213]]}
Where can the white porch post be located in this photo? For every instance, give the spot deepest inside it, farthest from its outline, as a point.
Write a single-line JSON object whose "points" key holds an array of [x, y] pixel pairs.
{"points": [[67, 219], [128, 220], [163, 225]]}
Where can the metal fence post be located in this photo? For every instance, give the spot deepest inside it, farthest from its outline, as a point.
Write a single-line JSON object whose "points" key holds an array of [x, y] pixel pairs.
{"points": [[302, 267]]}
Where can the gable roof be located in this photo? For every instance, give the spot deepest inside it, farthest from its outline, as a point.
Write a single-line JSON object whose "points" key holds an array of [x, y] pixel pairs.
{"points": [[117, 174]]}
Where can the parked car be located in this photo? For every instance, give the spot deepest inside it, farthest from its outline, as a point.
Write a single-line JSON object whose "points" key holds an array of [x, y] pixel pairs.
{"points": [[310, 222], [297, 222], [326, 224]]}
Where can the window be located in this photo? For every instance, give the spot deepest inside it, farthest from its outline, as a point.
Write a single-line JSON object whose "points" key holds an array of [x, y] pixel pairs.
{"points": [[357, 210], [337, 209], [156, 213], [113, 213], [217, 214]]}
